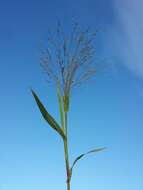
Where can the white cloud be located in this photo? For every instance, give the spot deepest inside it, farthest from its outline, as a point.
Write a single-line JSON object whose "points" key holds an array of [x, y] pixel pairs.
{"points": [[129, 16]]}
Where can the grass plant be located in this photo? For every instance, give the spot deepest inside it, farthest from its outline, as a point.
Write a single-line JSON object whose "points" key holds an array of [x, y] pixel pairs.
{"points": [[68, 62]]}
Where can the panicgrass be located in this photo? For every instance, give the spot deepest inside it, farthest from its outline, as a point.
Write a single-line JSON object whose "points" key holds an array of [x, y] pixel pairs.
{"points": [[68, 61]]}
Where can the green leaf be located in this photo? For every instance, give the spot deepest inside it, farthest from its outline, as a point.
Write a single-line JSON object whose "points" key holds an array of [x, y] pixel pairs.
{"points": [[79, 157], [60, 106], [51, 121]]}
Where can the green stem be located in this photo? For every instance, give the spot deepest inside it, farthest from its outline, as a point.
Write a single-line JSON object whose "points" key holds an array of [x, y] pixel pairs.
{"points": [[66, 153], [66, 124]]}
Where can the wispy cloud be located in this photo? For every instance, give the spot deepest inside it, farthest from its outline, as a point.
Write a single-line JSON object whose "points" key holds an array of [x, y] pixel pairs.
{"points": [[129, 16]]}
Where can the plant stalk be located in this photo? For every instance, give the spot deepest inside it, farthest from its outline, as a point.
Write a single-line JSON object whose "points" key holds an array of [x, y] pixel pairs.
{"points": [[67, 154]]}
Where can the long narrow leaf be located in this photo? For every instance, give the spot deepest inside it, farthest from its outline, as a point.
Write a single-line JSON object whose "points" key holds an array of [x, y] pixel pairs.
{"points": [[51, 121], [79, 157], [60, 106]]}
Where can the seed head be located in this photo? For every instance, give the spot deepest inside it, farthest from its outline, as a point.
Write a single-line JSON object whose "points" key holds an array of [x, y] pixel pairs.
{"points": [[68, 59]]}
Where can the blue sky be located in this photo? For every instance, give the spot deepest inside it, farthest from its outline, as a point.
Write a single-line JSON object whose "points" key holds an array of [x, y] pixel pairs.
{"points": [[107, 112]]}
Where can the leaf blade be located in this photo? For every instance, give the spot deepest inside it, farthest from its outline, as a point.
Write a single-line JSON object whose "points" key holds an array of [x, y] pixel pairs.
{"points": [[60, 106], [82, 155], [51, 121]]}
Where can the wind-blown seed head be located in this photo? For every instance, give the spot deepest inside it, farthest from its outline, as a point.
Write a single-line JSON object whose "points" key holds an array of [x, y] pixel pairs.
{"points": [[68, 58]]}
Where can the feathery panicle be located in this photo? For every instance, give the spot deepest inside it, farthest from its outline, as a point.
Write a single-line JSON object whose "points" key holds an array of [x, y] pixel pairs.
{"points": [[68, 58]]}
